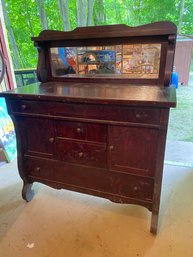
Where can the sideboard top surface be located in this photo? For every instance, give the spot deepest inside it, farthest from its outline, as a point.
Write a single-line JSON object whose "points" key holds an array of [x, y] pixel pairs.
{"points": [[95, 93]]}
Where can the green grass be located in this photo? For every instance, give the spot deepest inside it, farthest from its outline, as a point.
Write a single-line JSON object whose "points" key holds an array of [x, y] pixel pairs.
{"points": [[181, 118]]}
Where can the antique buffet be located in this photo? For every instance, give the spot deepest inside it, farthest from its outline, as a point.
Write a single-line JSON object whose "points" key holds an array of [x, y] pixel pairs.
{"points": [[97, 122]]}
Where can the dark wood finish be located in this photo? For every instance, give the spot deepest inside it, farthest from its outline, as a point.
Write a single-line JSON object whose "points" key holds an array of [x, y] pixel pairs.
{"points": [[82, 131], [102, 139], [106, 94], [108, 31], [85, 153], [163, 33], [128, 141]]}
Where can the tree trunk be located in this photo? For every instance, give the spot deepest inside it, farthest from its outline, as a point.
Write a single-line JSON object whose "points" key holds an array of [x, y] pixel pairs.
{"points": [[182, 4], [100, 17], [90, 12], [81, 12], [11, 36], [28, 18], [127, 12], [139, 11], [42, 13], [115, 9], [64, 11]]}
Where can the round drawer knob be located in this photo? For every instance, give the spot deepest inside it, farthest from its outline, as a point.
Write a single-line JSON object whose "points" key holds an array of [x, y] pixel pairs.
{"points": [[141, 115], [138, 115], [111, 147], [51, 140], [81, 154], [23, 107], [78, 130], [135, 188], [38, 169]]}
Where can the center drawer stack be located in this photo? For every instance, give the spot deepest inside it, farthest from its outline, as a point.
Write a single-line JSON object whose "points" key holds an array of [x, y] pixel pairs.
{"points": [[81, 143]]}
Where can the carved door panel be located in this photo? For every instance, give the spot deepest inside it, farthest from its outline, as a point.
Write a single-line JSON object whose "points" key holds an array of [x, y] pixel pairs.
{"points": [[37, 136], [133, 150]]}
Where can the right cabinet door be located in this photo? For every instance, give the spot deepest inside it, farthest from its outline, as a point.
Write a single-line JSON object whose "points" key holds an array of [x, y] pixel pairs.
{"points": [[133, 149]]}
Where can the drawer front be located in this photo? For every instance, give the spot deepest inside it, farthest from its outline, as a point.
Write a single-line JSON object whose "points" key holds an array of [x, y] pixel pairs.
{"points": [[133, 186], [88, 111], [101, 180], [81, 153], [82, 131]]}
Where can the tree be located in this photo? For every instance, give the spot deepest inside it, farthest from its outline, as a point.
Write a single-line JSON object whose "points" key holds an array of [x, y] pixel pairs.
{"points": [[15, 51], [127, 11], [28, 18], [81, 6], [42, 13], [64, 11], [66, 15], [99, 11], [90, 12]]}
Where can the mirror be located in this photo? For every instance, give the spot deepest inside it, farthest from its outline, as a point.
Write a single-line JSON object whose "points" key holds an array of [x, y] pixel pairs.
{"points": [[123, 61]]}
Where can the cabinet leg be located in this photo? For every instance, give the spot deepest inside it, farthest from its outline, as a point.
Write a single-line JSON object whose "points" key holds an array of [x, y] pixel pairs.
{"points": [[154, 223], [27, 192]]}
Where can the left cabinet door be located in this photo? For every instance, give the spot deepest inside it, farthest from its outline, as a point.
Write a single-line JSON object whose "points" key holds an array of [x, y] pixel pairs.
{"points": [[37, 136]]}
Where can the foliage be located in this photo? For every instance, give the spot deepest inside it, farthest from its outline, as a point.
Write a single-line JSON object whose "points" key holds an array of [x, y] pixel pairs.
{"points": [[25, 19]]}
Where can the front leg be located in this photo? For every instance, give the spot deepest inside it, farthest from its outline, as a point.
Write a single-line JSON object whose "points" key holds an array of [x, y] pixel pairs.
{"points": [[154, 222], [27, 192]]}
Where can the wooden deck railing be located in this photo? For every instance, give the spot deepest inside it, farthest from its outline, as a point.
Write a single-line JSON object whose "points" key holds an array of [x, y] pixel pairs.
{"points": [[25, 76]]}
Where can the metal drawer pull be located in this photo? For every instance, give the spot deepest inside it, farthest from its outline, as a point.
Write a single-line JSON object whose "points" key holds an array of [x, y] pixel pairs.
{"points": [[38, 169], [81, 154], [51, 140], [23, 107]]}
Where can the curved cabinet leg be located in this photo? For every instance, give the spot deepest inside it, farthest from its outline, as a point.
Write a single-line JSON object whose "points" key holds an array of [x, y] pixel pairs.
{"points": [[154, 223], [27, 192]]}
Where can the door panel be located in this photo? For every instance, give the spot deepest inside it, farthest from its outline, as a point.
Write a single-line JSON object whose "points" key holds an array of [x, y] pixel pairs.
{"points": [[37, 135], [132, 150]]}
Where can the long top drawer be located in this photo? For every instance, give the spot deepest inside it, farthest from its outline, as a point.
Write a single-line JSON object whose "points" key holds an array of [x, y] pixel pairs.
{"points": [[86, 111]]}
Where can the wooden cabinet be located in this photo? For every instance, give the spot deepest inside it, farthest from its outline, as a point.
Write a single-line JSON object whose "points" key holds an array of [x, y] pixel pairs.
{"points": [[98, 134]]}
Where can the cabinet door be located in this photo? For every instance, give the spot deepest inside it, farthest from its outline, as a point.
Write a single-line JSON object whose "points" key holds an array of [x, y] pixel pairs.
{"points": [[133, 150], [37, 136]]}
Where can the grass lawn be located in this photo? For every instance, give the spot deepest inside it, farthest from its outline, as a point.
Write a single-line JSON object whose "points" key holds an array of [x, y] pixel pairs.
{"points": [[181, 118]]}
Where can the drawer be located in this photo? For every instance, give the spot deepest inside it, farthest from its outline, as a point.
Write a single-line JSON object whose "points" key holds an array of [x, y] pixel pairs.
{"points": [[101, 180], [30, 107], [81, 130], [133, 186], [87, 154], [88, 111]]}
